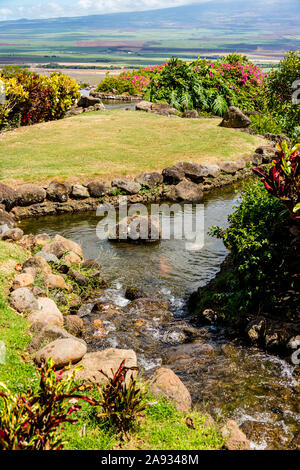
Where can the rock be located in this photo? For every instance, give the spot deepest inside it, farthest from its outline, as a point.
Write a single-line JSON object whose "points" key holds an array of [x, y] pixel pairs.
{"points": [[61, 245], [42, 239], [49, 257], [96, 189], [189, 357], [74, 111], [134, 292], [149, 180], [27, 242], [79, 192], [55, 281], [193, 171], [22, 280], [63, 351], [90, 264], [46, 311], [6, 222], [191, 114], [234, 438], [14, 234], [188, 192], [37, 291], [210, 170], [107, 361], [23, 300], [255, 329], [74, 324], [229, 167], [267, 152], [172, 175], [169, 385], [256, 159], [235, 118], [158, 108], [38, 263], [28, 194], [79, 278], [60, 298], [277, 138], [209, 316], [130, 187], [48, 333], [58, 190], [71, 259], [137, 229], [87, 101], [8, 196]]}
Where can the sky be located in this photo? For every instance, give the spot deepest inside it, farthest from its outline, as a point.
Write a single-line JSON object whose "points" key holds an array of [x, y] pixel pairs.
{"points": [[16, 9]]}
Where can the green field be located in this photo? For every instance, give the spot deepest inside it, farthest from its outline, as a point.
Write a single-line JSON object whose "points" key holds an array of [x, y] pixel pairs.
{"points": [[107, 144]]}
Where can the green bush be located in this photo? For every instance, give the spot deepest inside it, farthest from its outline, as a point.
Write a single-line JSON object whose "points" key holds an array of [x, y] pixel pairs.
{"points": [[260, 247]]}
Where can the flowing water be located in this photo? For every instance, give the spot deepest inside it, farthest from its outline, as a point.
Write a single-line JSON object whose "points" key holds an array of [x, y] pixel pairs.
{"points": [[226, 378]]}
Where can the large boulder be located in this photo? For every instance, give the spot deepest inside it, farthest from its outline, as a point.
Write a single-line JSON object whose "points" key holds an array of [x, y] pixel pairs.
{"points": [[130, 187], [229, 167], [149, 180], [61, 245], [96, 189], [14, 234], [235, 118], [137, 229], [63, 351], [79, 192], [23, 300], [172, 175], [234, 438], [45, 334], [87, 101], [166, 383], [193, 171], [29, 194], [158, 108], [186, 191], [47, 312], [8, 196], [58, 190], [107, 361]]}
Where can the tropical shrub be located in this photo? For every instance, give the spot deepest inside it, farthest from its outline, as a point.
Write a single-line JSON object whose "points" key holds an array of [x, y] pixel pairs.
{"points": [[283, 178], [278, 90], [64, 93], [121, 404], [259, 241], [32, 420]]}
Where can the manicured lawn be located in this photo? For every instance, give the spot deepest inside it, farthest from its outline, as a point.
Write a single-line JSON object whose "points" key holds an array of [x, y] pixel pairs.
{"points": [[103, 145]]}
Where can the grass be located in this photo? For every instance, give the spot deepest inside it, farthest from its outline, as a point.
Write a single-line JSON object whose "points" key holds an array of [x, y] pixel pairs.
{"points": [[104, 145]]}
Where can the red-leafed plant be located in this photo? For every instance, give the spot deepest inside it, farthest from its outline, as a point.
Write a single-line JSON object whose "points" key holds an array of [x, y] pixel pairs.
{"points": [[31, 420], [283, 178], [121, 403]]}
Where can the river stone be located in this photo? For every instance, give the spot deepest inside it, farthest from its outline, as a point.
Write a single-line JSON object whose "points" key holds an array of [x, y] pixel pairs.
{"points": [[188, 192], [60, 245], [29, 194], [172, 175], [87, 101], [74, 324], [137, 229], [46, 312], [48, 333], [23, 300], [49, 257], [107, 361], [38, 263], [58, 190], [71, 259], [188, 357], [22, 280], [234, 438], [193, 171], [8, 196], [229, 167], [79, 278], [169, 385], [55, 281], [63, 351], [130, 187], [235, 118], [79, 192], [96, 189], [149, 180], [6, 222], [190, 114], [90, 264], [14, 234], [27, 242], [42, 239]]}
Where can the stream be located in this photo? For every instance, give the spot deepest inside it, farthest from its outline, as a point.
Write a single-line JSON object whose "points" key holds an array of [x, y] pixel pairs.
{"points": [[226, 378]]}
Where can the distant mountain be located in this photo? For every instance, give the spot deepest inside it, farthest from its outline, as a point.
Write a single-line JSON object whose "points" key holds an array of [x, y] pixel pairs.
{"points": [[282, 16]]}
